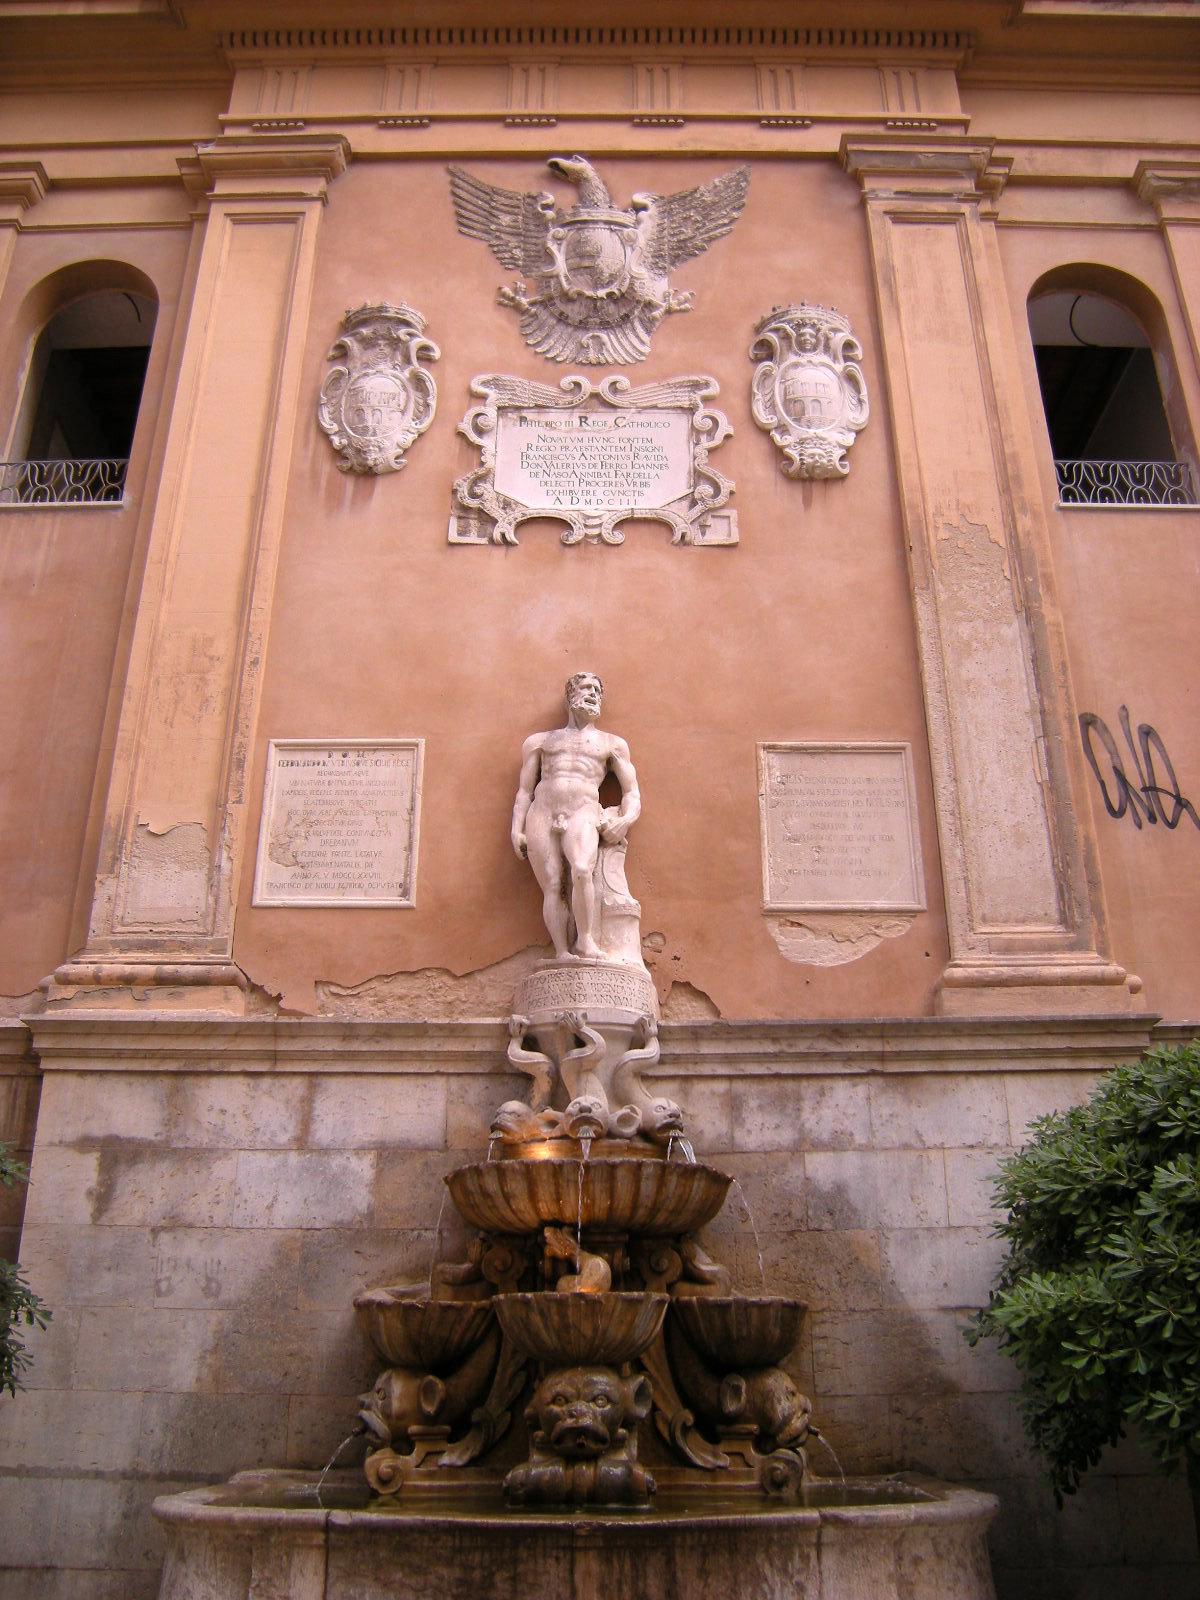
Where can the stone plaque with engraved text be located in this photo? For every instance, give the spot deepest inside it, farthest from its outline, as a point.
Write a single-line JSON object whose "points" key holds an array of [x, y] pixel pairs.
{"points": [[590, 460], [593, 455], [839, 828], [339, 823]]}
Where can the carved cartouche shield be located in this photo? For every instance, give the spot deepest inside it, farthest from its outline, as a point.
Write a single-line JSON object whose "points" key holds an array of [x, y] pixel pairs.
{"points": [[593, 255], [600, 275], [379, 398], [808, 390]]}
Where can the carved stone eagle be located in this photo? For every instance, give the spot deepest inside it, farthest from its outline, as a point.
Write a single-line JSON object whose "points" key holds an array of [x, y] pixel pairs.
{"points": [[599, 274]]}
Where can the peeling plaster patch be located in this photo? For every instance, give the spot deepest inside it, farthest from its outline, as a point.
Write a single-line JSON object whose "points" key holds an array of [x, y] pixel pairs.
{"points": [[972, 539], [831, 938], [162, 818], [260, 1002], [167, 876], [686, 1003], [22, 1005], [300, 998], [432, 992]]}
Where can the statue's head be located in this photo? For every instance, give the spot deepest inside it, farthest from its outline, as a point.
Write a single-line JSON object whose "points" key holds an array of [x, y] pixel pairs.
{"points": [[584, 693]]}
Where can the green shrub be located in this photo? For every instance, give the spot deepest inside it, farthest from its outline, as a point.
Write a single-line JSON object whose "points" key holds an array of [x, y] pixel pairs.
{"points": [[1098, 1302], [19, 1306]]}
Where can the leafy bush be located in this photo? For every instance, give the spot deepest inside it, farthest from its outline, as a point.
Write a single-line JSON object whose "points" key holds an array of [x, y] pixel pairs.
{"points": [[18, 1303], [1098, 1302]]}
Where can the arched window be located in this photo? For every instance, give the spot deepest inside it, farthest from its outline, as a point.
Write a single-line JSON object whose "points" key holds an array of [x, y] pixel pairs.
{"points": [[74, 429], [1109, 428]]}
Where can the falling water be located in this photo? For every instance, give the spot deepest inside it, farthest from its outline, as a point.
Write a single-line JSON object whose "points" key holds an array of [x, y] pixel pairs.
{"points": [[585, 1144], [745, 1204], [685, 1147], [437, 1241], [825, 1444], [492, 1143], [357, 1434]]}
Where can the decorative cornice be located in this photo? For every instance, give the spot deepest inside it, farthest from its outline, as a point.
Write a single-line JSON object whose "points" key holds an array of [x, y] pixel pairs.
{"points": [[274, 156], [1171, 187], [259, 41], [169, 1042], [16, 1056], [938, 167], [22, 184]]}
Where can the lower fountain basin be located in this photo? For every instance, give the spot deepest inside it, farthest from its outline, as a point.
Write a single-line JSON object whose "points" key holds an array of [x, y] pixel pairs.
{"points": [[433, 1335], [734, 1331], [620, 1195], [265, 1533]]}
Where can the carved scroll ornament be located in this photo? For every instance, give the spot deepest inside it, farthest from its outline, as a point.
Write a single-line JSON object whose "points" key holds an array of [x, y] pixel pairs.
{"points": [[379, 398], [599, 274], [808, 390], [593, 456]]}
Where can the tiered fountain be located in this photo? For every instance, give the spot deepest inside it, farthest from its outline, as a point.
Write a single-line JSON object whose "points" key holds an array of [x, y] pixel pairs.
{"points": [[588, 1293]]}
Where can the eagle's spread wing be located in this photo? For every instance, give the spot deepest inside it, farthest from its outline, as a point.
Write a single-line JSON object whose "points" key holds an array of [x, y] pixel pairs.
{"points": [[513, 225], [685, 224]]}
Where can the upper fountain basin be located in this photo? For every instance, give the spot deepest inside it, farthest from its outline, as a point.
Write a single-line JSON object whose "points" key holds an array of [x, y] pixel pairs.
{"points": [[733, 1332], [433, 1335], [621, 1194]]}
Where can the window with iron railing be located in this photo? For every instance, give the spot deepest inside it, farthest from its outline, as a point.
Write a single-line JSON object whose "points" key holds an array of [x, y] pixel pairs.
{"points": [[1108, 426], [75, 426]]}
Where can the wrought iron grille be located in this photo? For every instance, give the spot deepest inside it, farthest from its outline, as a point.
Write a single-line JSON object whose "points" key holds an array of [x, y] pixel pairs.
{"points": [[34, 483], [1124, 483]]}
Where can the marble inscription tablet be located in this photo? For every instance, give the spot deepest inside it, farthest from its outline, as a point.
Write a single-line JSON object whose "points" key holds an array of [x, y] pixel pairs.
{"points": [[339, 823], [839, 828], [593, 456], [592, 460]]}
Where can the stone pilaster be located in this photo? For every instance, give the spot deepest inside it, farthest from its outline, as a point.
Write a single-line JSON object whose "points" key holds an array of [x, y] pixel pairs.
{"points": [[1173, 189], [171, 849], [1023, 928], [22, 184]]}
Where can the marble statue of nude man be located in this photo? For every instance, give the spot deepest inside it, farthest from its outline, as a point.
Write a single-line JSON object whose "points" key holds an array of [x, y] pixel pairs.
{"points": [[557, 817]]}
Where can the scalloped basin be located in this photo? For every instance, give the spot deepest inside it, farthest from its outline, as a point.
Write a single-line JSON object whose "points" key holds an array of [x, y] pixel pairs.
{"points": [[623, 1194], [581, 1329], [733, 1332], [433, 1335]]}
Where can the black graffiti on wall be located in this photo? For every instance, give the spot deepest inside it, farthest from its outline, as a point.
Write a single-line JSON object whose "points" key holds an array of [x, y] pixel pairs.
{"points": [[1155, 796]]}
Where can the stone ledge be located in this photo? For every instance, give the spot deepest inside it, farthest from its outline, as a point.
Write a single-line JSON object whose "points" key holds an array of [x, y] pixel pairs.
{"points": [[168, 1042]]}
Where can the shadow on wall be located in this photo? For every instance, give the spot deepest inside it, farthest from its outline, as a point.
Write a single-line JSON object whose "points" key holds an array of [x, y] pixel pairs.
{"points": [[895, 1387]]}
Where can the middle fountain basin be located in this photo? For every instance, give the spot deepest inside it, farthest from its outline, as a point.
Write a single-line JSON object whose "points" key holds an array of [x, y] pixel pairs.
{"points": [[566, 1330]]}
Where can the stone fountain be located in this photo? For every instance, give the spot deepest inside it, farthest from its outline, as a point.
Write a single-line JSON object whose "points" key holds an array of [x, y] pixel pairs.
{"points": [[587, 1328]]}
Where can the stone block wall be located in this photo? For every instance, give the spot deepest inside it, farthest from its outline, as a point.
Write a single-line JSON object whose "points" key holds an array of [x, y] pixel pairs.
{"points": [[20, 1083], [207, 1197]]}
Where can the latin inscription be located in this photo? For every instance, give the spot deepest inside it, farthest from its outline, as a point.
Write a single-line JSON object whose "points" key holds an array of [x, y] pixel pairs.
{"points": [[339, 823], [576, 988], [839, 829], [594, 460]]}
